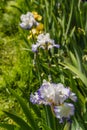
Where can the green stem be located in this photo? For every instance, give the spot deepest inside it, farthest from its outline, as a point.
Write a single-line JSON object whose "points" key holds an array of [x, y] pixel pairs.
{"points": [[50, 118], [37, 67], [68, 25]]}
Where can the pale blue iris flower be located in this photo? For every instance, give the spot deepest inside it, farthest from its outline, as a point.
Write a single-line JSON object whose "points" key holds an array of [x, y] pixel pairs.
{"points": [[28, 21], [45, 42], [56, 96]]}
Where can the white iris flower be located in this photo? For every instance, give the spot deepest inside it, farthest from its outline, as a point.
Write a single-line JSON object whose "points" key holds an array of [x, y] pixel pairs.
{"points": [[45, 42], [55, 95], [28, 21]]}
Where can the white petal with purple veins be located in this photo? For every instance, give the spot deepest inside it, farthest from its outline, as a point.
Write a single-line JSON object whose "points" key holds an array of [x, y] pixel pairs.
{"points": [[64, 111]]}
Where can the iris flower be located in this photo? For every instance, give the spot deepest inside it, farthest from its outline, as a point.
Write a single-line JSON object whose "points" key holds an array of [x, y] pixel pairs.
{"points": [[28, 21], [45, 42], [55, 95]]}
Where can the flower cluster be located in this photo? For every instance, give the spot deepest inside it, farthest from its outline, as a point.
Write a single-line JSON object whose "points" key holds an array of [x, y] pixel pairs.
{"points": [[55, 95], [29, 21], [34, 32], [45, 42]]}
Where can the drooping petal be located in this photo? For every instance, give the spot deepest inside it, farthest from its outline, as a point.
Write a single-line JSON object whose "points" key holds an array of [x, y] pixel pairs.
{"points": [[73, 96], [34, 98], [34, 47], [56, 45], [64, 111]]}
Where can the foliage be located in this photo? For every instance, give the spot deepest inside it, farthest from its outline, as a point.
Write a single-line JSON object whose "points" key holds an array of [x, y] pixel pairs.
{"points": [[22, 72]]}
